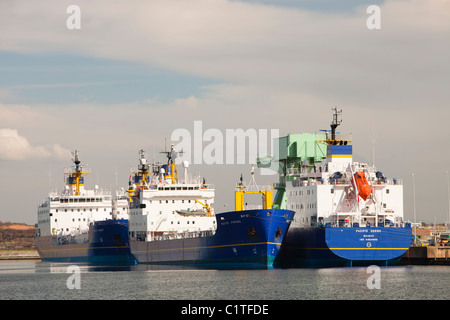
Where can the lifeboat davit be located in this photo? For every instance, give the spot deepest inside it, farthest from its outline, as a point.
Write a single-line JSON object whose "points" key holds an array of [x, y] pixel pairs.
{"points": [[364, 189]]}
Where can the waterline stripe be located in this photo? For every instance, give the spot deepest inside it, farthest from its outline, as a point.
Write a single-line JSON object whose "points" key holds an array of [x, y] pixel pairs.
{"points": [[210, 247], [298, 248], [369, 248], [83, 248]]}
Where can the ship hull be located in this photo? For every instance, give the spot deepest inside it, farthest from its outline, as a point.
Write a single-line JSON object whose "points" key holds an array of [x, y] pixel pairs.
{"points": [[243, 239], [51, 251], [106, 244], [344, 247]]}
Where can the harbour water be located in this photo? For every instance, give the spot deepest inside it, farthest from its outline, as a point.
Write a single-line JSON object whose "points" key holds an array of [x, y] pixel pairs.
{"points": [[35, 280]]}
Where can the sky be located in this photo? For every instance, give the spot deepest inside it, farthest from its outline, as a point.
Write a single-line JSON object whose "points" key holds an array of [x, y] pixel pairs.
{"points": [[136, 71]]}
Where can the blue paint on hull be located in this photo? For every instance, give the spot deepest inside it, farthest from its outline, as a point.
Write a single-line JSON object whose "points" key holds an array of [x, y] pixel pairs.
{"points": [[243, 239], [108, 245], [344, 247], [66, 259]]}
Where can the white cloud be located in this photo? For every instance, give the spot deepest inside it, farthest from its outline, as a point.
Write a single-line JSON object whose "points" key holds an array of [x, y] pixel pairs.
{"points": [[16, 147], [249, 44], [20, 115]]}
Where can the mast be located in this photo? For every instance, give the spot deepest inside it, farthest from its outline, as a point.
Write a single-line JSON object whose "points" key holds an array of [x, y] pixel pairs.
{"points": [[75, 178], [335, 123], [78, 172], [143, 167], [171, 155]]}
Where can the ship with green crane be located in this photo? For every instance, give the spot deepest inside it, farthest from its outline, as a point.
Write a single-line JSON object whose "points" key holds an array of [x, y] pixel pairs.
{"points": [[347, 213]]}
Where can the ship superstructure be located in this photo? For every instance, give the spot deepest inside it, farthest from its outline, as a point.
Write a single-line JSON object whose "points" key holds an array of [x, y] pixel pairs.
{"points": [[346, 212], [163, 206], [69, 222], [341, 192]]}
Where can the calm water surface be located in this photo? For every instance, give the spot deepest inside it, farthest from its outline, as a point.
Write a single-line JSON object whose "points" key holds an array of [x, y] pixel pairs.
{"points": [[29, 280]]}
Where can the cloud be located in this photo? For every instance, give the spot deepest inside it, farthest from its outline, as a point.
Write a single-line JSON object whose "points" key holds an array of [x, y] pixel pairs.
{"points": [[250, 44], [20, 115], [16, 147]]}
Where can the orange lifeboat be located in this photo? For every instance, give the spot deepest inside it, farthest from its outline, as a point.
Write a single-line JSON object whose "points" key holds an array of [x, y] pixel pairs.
{"points": [[364, 189]]}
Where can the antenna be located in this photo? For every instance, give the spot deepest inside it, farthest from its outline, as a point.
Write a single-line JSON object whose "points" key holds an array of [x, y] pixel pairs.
{"points": [[50, 176], [154, 157], [335, 122], [373, 140], [172, 154], [117, 182], [252, 183], [241, 183], [76, 160]]}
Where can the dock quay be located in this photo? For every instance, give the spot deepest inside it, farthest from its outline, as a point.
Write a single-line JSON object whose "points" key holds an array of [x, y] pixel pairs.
{"points": [[24, 254], [426, 255]]}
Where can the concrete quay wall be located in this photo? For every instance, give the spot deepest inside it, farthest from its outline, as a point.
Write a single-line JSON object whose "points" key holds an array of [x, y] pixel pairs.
{"points": [[427, 255], [30, 254]]}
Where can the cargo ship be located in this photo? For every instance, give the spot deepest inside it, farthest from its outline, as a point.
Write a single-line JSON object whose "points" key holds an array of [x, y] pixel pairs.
{"points": [[173, 222], [347, 213], [81, 225]]}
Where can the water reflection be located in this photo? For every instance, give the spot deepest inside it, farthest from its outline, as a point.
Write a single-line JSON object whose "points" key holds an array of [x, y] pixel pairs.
{"points": [[44, 280]]}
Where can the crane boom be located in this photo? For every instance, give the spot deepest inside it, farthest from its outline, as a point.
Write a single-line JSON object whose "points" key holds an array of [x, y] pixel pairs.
{"points": [[207, 206]]}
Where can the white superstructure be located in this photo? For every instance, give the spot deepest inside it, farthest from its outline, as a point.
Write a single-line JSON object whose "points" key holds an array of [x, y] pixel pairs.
{"points": [[68, 215], [316, 199], [162, 206], [342, 192]]}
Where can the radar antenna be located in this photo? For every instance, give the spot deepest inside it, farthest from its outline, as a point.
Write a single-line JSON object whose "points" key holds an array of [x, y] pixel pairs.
{"points": [[171, 156]]}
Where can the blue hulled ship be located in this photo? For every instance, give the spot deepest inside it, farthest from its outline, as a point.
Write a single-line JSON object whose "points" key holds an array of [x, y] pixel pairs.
{"points": [[347, 213], [249, 239], [172, 222], [81, 225]]}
